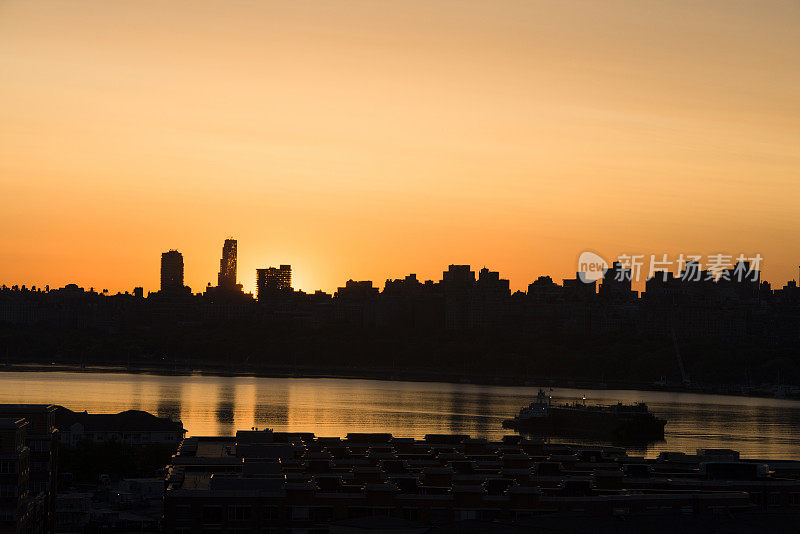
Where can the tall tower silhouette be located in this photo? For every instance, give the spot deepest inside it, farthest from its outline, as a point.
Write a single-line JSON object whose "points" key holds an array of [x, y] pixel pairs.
{"points": [[227, 265], [171, 271]]}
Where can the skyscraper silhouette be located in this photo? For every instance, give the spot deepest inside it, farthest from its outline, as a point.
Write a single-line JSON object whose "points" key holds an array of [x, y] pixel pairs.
{"points": [[227, 265], [171, 272], [273, 281]]}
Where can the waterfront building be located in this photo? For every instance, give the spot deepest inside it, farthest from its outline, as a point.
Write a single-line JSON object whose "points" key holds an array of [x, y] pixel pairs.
{"points": [[356, 303], [616, 283], [408, 304], [489, 301], [457, 285], [133, 427], [578, 288], [357, 290]]}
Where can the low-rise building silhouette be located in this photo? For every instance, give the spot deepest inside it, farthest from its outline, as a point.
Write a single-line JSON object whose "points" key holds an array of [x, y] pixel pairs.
{"points": [[133, 427]]}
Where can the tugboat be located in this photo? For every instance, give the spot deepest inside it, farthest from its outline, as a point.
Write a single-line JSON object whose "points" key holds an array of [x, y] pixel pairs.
{"points": [[617, 421]]}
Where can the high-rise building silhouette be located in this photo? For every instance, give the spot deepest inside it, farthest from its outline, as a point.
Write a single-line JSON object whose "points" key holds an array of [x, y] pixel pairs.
{"points": [[616, 282], [16, 455], [41, 473], [227, 265], [458, 282], [171, 272], [272, 281]]}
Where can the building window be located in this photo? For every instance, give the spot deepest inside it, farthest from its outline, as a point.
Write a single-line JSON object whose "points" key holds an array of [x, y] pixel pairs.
{"points": [[40, 467], [212, 514], [354, 512], [300, 513], [271, 513], [411, 514], [322, 514], [239, 513], [40, 446], [8, 466], [465, 515], [183, 512], [439, 515]]}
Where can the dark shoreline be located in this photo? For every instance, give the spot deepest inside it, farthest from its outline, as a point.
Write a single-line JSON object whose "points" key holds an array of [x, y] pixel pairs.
{"points": [[392, 375]]}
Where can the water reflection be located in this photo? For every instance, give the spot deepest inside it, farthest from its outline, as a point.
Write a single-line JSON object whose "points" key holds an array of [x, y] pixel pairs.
{"points": [[271, 407], [226, 394], [169, 400], [136, 397], [456, 419], [482, 422], [767, 428]]}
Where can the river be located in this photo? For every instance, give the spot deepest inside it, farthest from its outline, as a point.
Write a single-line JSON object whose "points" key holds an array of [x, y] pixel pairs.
{"points": [[217, 405]]}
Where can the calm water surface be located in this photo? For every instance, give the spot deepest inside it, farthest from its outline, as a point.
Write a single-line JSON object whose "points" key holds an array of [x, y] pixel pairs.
{"points": [[210, 405]]}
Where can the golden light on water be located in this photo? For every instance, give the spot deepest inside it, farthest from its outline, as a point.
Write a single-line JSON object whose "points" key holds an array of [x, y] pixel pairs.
{"points": [[209, 405]]}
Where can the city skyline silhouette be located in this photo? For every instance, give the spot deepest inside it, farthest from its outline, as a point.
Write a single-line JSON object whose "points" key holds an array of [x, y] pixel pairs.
{"points": [[228, 280], [374, 140]]}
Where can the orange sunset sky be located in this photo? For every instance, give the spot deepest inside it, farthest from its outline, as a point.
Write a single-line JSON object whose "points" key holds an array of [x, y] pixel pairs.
{"points": [[371, 139]]}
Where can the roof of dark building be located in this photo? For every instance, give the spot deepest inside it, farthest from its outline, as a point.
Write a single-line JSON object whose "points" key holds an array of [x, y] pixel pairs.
{"points": [[127, 421], [743, 521], [11, 423], [379, 524], [26, 408]]}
